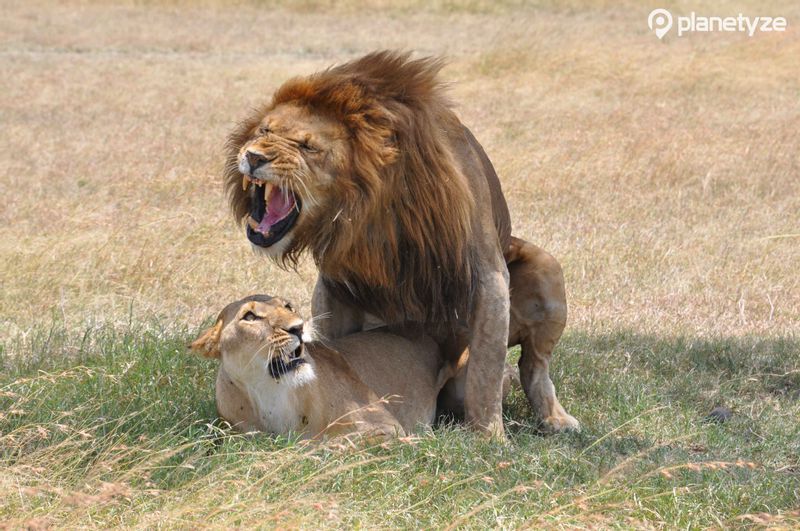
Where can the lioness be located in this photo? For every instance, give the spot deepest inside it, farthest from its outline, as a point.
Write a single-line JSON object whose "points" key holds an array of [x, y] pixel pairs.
{"points": [[273, 379]]}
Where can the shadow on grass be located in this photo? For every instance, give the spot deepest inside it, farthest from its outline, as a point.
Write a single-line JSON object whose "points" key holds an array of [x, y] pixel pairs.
{"points": [[696, 370], [607, 380]]}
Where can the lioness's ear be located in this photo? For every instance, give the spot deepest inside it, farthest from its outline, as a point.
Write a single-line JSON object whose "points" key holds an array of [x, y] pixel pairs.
{"points": [[207, 344]]}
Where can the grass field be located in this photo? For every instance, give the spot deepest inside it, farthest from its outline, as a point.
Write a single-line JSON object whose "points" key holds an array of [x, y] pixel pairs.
{"points": [[664, 175]]}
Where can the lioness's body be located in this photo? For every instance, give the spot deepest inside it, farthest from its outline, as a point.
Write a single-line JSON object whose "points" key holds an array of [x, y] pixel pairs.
{"points": [[372, 382]]}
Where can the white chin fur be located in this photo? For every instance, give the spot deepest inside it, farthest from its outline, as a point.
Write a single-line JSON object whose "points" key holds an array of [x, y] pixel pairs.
{"points": [[275, 250], [301, 376]]}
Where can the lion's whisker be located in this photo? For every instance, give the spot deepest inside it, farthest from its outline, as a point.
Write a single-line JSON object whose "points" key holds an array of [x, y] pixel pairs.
{"points": [[307, 195], [313, 331], [324, 315]]}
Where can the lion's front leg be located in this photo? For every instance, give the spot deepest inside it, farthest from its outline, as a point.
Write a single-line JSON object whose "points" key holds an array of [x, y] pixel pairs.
{"points": [[332, 318], [483, 402]]}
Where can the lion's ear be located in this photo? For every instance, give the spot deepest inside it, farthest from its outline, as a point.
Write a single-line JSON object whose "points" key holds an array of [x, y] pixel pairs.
{"points": [[207, 344]]}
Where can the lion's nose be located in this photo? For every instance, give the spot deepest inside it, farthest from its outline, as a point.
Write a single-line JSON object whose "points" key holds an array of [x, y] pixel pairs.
{"points": [[255, 160]]}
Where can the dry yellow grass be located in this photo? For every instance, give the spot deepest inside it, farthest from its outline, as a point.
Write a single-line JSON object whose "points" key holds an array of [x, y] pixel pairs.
{"points": [[664, 175]]}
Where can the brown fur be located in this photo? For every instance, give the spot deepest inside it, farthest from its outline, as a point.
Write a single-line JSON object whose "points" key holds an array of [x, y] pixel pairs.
{"points": [[537, 319], [405, 253], [389, 181], [373, 382]]}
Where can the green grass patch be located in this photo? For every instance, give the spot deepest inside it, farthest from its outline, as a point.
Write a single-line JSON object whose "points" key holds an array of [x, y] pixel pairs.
{"points": [[119, 429]]}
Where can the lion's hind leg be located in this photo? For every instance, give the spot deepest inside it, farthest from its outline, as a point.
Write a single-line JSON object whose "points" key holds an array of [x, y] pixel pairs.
{"points": [[541, 393], [538, 317]]}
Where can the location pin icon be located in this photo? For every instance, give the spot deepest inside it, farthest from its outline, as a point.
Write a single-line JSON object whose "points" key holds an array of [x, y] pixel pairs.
{"points": [[660, 21]]}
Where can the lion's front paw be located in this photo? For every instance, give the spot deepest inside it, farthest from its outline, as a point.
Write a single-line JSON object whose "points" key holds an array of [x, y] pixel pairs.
{"points": [[560, 423]]}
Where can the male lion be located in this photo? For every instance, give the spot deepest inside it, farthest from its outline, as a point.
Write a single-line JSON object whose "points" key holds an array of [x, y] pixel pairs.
{"points": [[366, 166]]}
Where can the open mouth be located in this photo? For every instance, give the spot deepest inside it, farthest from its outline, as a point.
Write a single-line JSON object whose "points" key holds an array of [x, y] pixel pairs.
{"points": [[273, 212], [280, 365], [296, 353]]}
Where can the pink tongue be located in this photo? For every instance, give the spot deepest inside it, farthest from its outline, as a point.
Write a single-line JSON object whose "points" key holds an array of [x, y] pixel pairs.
{"points": [[278, 207]]}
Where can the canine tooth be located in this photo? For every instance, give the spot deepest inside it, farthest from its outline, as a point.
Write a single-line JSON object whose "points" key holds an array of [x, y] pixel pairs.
{"points": [[253, 223], [245, 182], [267, 190]]}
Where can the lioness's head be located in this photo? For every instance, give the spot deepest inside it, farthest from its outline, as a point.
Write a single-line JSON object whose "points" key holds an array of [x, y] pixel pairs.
{"points": [[257, 329]]}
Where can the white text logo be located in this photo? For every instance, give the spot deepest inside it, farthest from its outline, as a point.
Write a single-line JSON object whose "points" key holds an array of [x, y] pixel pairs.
{"points": [[660, 21]]}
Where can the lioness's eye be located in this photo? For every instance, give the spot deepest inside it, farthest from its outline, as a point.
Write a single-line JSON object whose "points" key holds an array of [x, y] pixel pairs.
{"points": [[288, 307], [263, 130], [250, 316]]}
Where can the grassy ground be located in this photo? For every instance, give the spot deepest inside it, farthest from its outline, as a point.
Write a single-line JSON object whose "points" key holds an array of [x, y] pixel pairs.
{"points": [[120, 430], [664, 175]]}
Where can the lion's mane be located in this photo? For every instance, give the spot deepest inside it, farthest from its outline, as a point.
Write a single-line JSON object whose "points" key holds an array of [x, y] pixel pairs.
{"points": [[395, 236]]}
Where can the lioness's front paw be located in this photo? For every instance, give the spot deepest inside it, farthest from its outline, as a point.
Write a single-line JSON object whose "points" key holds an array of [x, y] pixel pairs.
{"points": [[561, 423]]}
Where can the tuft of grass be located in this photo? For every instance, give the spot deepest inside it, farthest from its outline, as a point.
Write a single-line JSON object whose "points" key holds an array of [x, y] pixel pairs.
{"points": [[118, 428]]}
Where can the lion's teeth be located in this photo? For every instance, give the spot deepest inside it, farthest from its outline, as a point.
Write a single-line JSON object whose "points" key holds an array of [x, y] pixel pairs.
{"points": [[253, 223], [245, 182], [267, 190]]}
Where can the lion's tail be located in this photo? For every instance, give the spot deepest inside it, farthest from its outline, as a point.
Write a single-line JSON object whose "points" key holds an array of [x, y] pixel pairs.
{"points": [[515, 250], [451, 367]]}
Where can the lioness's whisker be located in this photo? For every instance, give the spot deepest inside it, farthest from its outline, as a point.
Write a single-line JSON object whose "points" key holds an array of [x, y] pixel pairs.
{"points": [[313, 331], [256, 353]]}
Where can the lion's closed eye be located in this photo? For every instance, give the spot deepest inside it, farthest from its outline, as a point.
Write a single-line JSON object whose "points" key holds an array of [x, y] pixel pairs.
{"points": [[308, 148]]}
